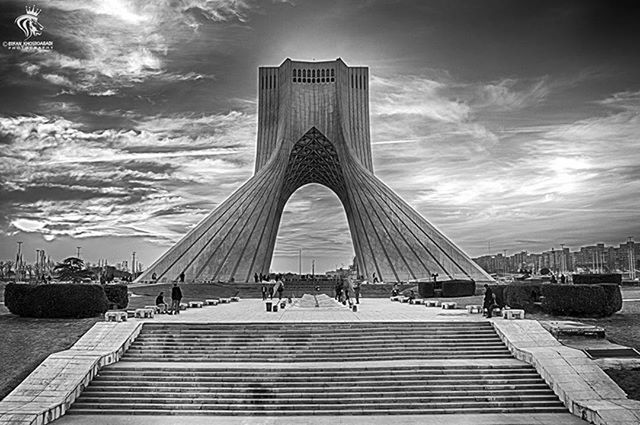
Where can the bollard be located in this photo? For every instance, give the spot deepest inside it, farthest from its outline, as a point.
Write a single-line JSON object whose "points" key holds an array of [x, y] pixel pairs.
{"points": [[269, 305]]}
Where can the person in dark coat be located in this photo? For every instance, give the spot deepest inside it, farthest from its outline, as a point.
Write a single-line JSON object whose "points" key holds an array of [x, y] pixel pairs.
{"points": [[162, 306], [280, 285], [356, 291], [264, 292], [176, 297], [488, 300]]}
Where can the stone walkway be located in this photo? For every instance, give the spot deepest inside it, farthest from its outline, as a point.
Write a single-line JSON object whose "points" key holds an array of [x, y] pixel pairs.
{"points": [[369, 310]]}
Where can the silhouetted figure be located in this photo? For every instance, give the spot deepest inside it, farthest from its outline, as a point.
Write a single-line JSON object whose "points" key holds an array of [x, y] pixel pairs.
{"points": [[280, 289], [375, 278], [492, 304], [181, 277], [553, 279], [264, 292], [488, 300], [563, 279], [346, 296], [356, 291], [255, 277], [176, 297], [160, 302]]}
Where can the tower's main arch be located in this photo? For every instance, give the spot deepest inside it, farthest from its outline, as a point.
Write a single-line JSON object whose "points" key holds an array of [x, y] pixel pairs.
{"points": [[313, 127]]}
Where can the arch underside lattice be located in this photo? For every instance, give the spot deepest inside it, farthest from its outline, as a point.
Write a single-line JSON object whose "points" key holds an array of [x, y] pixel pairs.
{"points": [[389, 237]]}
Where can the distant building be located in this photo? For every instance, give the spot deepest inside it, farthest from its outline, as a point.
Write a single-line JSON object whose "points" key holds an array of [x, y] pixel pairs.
{"points": [[592, 259]]}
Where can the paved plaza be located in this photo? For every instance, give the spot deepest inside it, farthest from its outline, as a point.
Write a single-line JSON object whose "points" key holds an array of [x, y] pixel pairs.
{"points": [[369, 310]]}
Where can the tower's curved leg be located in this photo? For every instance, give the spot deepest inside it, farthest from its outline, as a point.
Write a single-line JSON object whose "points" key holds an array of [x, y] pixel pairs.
{"points": [[404, 244]]}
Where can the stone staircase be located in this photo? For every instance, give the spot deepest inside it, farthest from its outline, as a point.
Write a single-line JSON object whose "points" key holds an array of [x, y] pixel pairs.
{"points": [[342, 368], [315, 342]]}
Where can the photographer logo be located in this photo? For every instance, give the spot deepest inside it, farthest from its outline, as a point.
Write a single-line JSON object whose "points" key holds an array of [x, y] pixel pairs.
{"points": [[32, 28]]}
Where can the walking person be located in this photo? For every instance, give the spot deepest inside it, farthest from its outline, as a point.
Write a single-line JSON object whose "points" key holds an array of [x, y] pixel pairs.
{"points": [[348, 290], [356, 291], [176, 297], [488, 300], [272, 289], [181, 277], [264, 292], [280, 289]]}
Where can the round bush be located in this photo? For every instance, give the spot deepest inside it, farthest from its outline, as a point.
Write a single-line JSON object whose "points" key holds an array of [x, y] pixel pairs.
{"points": [[117, 295], [581, 300], [522, 296], [65, 300]]}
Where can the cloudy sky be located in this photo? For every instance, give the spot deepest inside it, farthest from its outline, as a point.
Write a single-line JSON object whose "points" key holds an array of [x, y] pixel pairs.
{"points": [[514, 124]]}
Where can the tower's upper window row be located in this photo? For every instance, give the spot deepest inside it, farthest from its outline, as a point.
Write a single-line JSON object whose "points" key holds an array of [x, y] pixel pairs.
{"points": [[314, 75]]}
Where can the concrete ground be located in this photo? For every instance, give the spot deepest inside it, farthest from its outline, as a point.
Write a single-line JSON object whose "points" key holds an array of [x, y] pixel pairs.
{"points": [[369, 310]]}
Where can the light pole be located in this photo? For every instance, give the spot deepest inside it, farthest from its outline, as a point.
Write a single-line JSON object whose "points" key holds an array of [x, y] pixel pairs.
{"points": [[37, 265]]}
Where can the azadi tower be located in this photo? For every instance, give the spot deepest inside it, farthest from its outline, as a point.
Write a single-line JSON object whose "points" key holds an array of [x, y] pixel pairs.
{"points": [[313, 127]]}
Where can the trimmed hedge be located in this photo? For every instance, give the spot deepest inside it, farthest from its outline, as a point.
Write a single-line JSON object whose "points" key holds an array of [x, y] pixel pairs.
{"points": [[117, 295], [458, 288], [64, 300], [522, 295], [614, 298], [592, 279], [581, 300], [426, 289]]}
